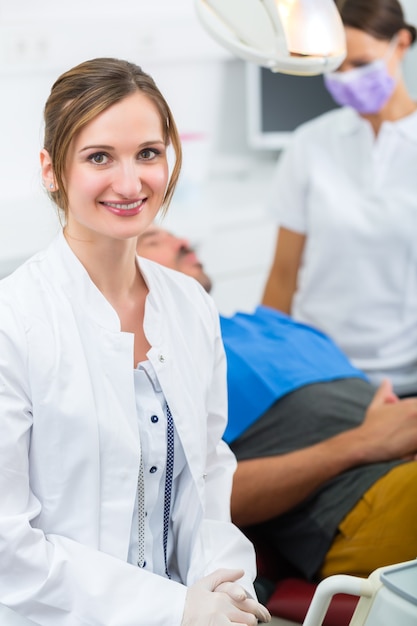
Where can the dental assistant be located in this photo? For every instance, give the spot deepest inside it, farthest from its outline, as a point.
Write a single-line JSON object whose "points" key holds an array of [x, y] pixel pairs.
{"points": [[345, 198], [114, 480]]}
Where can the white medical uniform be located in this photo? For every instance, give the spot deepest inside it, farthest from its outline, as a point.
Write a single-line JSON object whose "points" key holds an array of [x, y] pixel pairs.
{"points": [[70, 446], [355, 198]]}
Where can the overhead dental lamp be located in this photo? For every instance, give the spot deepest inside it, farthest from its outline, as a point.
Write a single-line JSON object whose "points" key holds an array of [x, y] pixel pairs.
{"points": [[290, 36]]}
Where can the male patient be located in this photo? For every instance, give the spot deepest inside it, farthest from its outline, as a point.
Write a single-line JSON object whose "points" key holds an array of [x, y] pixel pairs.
{"points": [[325, 461]]}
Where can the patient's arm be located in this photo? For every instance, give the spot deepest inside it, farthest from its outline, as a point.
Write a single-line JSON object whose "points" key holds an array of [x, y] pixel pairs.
{"points": [[266, 487]]}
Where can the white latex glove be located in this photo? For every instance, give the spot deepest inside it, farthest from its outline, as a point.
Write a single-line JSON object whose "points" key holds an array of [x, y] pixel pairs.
{"points": [[216, 600]]}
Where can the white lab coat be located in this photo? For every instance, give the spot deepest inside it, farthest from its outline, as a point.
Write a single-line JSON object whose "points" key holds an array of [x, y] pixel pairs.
{"points": [[69, 445]]}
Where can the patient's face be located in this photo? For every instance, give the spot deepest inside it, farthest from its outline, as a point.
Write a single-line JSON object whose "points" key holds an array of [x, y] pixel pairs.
{"points": [[174, 252]]}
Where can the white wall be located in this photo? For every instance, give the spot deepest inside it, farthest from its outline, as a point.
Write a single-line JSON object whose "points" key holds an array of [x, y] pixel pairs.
{"points": [[220, 199]]}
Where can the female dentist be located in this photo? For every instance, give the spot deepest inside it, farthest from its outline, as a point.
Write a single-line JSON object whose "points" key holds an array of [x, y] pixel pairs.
{"points": [[345, 195], [114, 481]]}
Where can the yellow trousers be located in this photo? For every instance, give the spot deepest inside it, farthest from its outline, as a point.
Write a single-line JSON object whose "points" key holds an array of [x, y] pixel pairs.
{"points": [[381, 529]]}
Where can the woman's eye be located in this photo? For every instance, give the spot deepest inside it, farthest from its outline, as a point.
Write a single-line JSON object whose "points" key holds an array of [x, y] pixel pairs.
{"points": [[99, 158], [148, 154]]}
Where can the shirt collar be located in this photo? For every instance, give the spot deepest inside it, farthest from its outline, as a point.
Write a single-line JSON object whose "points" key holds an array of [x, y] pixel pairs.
{"points": [[352, 122], [407, 126]]}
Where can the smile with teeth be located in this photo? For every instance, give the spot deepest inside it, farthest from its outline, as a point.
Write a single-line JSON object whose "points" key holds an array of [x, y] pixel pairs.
{"points": [[123, 206]]}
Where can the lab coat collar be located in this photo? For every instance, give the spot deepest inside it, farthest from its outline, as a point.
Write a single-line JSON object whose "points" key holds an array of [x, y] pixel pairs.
{"points": [[74, 278], [351, 122], [407, 126], [71, 274]]}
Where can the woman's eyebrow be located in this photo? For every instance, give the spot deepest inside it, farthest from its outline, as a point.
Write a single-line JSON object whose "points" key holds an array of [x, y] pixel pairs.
{"points": [[98, 147]]}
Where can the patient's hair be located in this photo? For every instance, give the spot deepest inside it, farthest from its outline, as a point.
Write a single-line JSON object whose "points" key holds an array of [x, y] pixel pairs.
{"points": [[380, 18], [85, 91]]}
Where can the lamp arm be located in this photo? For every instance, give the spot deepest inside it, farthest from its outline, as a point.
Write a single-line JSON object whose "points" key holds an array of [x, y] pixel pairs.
{"points": [[227, 36], [271, 11]]}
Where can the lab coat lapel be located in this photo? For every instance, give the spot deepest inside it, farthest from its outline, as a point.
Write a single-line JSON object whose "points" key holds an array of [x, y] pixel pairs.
{"points": [[118, 439], [109, 356]]}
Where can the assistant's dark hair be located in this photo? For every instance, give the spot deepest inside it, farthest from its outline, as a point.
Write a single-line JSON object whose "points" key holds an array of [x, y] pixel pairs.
{"points": [[85, 91], [380, 18]]}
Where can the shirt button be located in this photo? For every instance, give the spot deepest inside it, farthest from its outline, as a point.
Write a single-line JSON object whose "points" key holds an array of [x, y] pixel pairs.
{"points": [[154, 419], [161, 358], [153, 469]]}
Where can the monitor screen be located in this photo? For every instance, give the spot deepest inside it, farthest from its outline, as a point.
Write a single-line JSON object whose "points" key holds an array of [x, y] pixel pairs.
{"points": [[278, 103]]}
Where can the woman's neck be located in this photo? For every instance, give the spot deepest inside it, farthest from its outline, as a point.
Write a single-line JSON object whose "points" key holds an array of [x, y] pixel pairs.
{"points": [[110, 264]]}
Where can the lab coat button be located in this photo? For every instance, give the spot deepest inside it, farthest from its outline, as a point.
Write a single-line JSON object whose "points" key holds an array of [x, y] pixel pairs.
{"points": [[154, 419], [153, 469]]}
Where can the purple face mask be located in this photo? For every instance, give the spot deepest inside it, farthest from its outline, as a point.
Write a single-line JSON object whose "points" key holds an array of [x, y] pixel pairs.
{"points": [[365, 89]]}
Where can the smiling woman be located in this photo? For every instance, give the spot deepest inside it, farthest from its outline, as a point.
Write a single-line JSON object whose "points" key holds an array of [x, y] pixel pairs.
{"points": [[116, 165], [114, 480], [82, 105]]}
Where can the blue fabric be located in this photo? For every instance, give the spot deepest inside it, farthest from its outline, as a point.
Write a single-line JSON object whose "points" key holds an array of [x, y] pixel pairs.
{"points": [[270, 355]]}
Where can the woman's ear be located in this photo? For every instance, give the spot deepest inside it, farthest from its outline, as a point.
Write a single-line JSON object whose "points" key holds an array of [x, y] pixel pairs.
{"points": [[403, 41], [47, 171]]}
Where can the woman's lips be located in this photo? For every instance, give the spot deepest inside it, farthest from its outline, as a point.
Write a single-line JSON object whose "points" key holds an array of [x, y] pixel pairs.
{"points": [[125, 209]]}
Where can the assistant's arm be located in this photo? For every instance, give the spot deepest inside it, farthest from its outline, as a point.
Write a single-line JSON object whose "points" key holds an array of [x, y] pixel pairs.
{"points": [[281, 283], [266, 487], [288, 201]]}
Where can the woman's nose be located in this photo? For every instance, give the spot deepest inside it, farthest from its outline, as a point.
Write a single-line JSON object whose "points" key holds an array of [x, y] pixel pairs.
{"points": [[127, 182]]}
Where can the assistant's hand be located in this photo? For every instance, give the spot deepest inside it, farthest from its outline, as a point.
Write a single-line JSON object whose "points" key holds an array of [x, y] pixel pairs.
{"points": [[217, 600], [389, 430]]}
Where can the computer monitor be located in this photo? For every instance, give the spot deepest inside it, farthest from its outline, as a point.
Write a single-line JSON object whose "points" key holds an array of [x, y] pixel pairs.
{"points": [[278, 103]]}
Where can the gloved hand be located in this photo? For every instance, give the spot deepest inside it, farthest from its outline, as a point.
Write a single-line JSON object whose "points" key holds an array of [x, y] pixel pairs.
{"points": [[217, 600]]}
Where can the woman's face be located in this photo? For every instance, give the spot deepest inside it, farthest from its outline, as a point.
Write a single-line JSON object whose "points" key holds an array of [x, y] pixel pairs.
{"points": [[117, 171], [362, 49]]}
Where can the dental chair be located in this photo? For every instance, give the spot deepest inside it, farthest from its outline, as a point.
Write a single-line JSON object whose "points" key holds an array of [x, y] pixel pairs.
{"points": [[287, 595]]}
